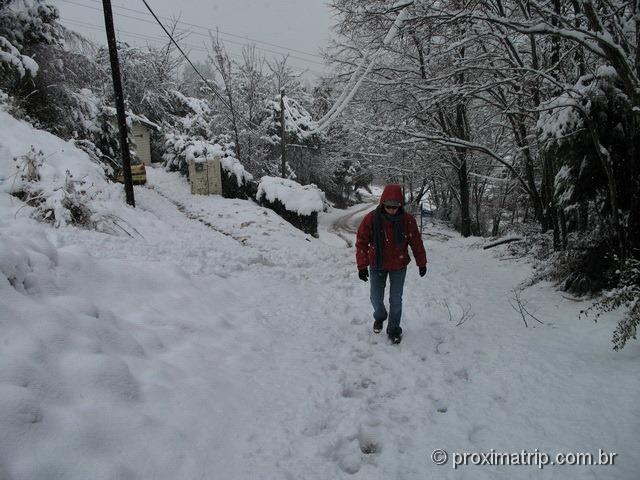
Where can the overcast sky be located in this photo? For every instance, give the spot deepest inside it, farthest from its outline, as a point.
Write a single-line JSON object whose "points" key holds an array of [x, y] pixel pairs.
{"points": [[274, 25]]}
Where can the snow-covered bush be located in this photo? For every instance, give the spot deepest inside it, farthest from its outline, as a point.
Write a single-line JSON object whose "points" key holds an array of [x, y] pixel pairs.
{"points": [[626, 295], [59, 203], [587, 131], [298, 204], [591, 133], [24, 24], [236, 181], [13, 63], [180, 149], [301, 199], [191, 115]]}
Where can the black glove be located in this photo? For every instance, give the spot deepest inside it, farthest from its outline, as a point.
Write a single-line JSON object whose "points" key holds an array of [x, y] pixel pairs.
{"points": [[422, 271], [363, 274]]}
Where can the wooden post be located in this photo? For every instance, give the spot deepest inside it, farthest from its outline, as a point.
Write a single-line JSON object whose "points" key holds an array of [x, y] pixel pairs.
{"points": [[283, 134], [119, 97]]}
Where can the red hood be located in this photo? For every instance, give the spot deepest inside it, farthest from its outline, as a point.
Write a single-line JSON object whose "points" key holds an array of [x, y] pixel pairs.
{"points": [[392, 192]]}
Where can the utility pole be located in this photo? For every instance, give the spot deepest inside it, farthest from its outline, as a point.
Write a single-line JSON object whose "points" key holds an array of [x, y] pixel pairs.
{"points": [[119, 97], [283, 133]]}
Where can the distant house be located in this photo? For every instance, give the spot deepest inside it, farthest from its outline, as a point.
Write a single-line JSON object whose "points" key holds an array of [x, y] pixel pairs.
{"points": [[141, 141], [139, 135]]}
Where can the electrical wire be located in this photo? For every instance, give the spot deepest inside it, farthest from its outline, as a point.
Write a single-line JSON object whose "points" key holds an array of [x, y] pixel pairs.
{"points": [[338, 106], [223, 33], [139, 36], [120, 32], [213, 88], [157, 39]]}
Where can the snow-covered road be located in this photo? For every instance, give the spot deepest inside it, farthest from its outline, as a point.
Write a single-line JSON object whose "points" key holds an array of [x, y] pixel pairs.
{"points": [[222, 343]]}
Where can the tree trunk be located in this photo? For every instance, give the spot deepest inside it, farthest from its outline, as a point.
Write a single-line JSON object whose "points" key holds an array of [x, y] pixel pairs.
{"points": [[495, 228], [605, 160], [536, 201], [562, 220], [463, 179], [633, 221], [583, 216], [548, 177], [435, 196]]}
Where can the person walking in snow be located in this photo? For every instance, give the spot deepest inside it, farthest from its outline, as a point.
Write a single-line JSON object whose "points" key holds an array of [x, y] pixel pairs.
{"points": [[382, 242]]}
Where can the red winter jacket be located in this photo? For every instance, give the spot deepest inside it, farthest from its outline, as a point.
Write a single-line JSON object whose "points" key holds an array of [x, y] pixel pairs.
{"points": [[395, 257]]}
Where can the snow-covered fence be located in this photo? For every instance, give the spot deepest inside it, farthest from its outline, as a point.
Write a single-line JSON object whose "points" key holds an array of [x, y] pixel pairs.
{"points": [[297, 204]]}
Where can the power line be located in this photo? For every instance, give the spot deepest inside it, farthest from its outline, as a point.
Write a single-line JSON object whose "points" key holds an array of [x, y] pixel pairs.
{"points": [[139, 36], [212, 87], [208, 29], [144, 36], [194, 33]]}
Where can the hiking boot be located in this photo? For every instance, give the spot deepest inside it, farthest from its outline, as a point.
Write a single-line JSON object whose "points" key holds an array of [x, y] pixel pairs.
{"points": [[395, 338], [395, 334], [377, 325]]}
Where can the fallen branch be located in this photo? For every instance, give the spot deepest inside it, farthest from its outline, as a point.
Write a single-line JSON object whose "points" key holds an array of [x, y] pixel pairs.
{"points": [[466, 313], [500, 242], [572, 298], [522, 309]]}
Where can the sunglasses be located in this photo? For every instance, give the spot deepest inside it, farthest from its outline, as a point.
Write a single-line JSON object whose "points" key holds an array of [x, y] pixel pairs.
{"points": [[392, 207]]}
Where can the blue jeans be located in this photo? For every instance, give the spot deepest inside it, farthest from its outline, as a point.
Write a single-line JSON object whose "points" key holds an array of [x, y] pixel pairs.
{"points": [[396, 285]]}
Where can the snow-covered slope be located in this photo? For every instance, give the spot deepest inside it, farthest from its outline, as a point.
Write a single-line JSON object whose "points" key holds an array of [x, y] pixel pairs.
{"points": [[214, 340]]}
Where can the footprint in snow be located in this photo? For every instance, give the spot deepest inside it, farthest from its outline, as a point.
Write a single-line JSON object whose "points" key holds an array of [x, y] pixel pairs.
{"points": [[441, 347], [368, 442], [462, 374], [439, 405], [356, 388], [350, 452], [475, 434]]}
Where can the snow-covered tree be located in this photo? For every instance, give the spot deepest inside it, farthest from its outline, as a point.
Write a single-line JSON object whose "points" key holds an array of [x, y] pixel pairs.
{"points": [[24, 24]]}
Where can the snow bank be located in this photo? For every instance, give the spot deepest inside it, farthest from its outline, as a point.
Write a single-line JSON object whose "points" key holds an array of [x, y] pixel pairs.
{"points": [[58, 156], [302, 199], [78, 375], [53, 176]]}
